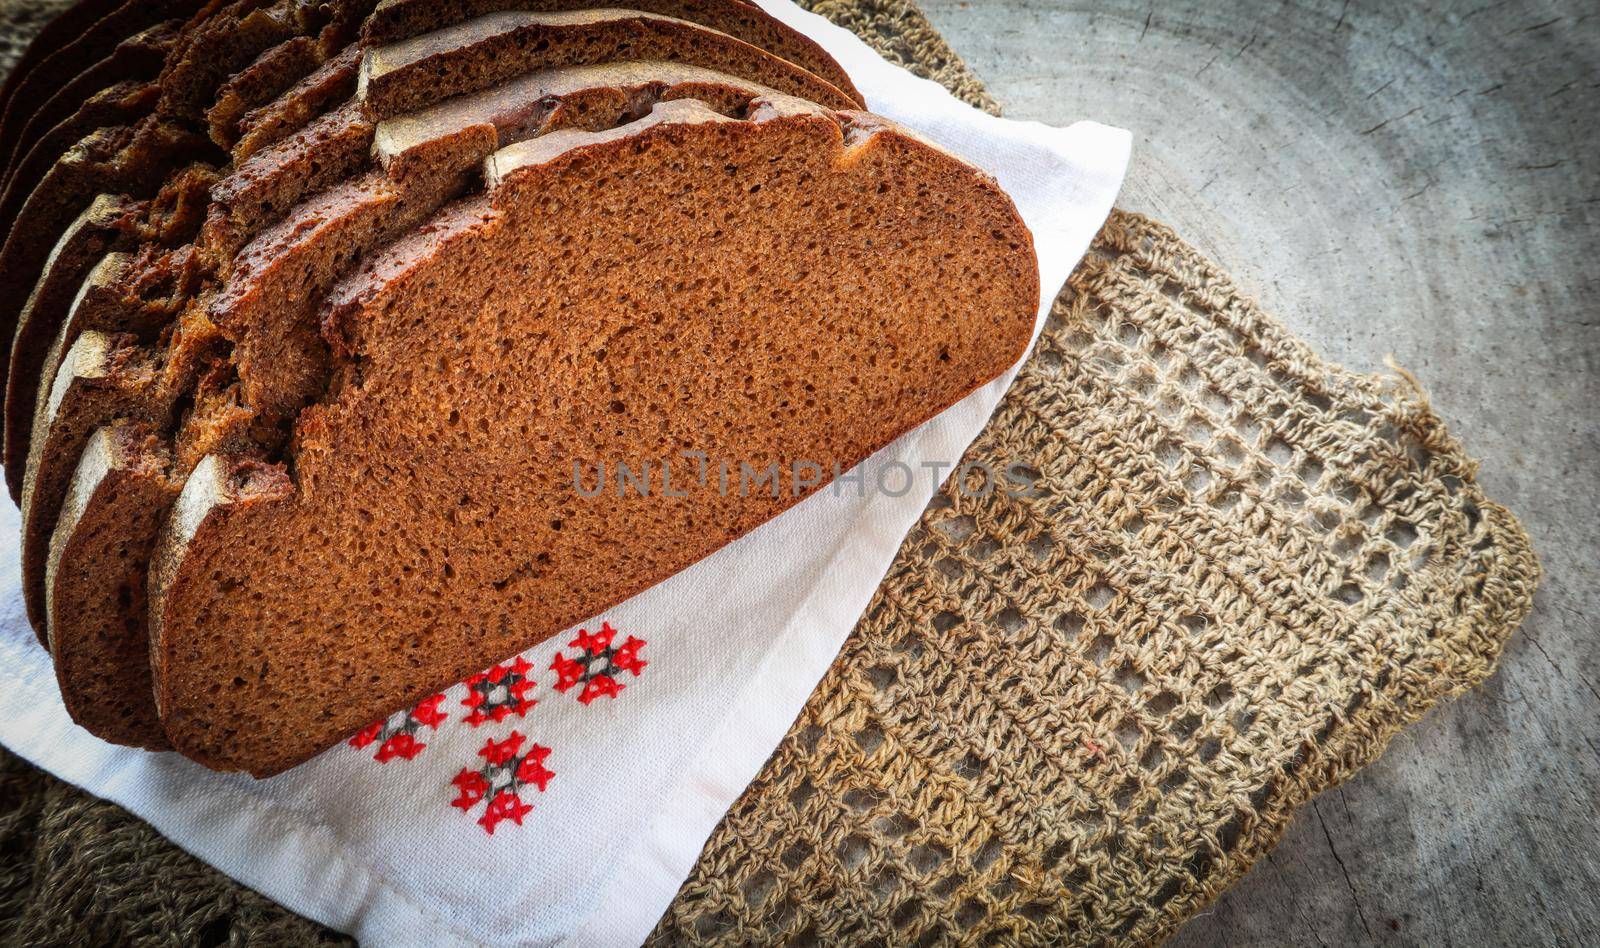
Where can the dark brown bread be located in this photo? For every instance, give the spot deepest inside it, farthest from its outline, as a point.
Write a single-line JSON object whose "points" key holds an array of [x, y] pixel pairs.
{"points": [[122, 103], [331, 83], [65, 28], [220, 46], [208, 49], [97, 585], [203, 49], [138, 58], [106, 373], [107, 225], [171, 218], [267, 310], [72, 182], [96, 40], [132, 160], [265, 83], [325, 166], [418, 153], [790, 284], [485, 51], [264, 187], [394, 20], [260, 83]]}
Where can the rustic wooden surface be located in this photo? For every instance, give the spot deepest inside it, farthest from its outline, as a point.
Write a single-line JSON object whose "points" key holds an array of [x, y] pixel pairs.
{"points": [[1421, 180]]}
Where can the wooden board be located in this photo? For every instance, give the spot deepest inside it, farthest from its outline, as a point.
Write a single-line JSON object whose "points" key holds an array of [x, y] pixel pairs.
{"points": [[1389, 178]]}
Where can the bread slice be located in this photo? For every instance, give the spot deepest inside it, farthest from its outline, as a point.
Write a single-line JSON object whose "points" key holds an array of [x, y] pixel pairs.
{"points": [[134, 160], [285, 66], [107, 225], [331, 83], [225, 43], [395, 20], [106, 374], [237, 32], [787, 284], [482, 52], [63, 29], [267, 309], [94, 43], [259, 189], [137, 59], [269, 184], [97, 585], [327, 158], [131, 160], [121, 103], [209, 49], [262, 82]]}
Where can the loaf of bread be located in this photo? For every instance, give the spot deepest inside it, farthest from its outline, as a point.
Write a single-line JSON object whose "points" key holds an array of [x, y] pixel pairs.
{"points": [[321, 315]]}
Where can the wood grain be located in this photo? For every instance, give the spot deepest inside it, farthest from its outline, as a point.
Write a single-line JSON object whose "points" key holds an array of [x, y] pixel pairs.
{"points": [[1421, 180]]}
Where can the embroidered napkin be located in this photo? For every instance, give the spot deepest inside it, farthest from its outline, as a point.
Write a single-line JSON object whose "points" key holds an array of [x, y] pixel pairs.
{"points": [[563, 796]]}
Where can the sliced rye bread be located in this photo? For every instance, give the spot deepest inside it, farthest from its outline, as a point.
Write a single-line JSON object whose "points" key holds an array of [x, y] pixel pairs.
{"points": [[119, 293], [135, 158], [330, 84], [240, 31], [285, 173], [130, 160], [108, 372], [110, 223], [96, 41], [96, 576], [225, 43], [279, 72], [610, 296], [138, 58], [676, 38], [122, 103], [267, 309], [59, 31], [574, 41], [395, 20], [260, 83], [482, 52]]}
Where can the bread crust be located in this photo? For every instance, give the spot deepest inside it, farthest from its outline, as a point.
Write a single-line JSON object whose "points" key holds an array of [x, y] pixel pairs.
{"points": [[260, 83], [300, 338], [488, 50], [97, 583], [260, 196], [395, 20], [103, 228], [89, 46], [130, 160], [58, 32], [122, 103]]}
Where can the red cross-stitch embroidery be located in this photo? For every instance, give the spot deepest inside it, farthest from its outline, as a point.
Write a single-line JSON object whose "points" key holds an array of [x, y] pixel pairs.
{"points": [[396, 735], [598, 664], [501, 691], [504, 776]]}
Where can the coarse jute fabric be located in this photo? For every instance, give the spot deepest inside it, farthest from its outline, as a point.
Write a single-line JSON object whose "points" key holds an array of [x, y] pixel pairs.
{"points": [[1070, 717]]}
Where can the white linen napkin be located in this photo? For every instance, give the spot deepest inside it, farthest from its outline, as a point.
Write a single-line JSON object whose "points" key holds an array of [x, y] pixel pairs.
{"points": [[411, 834]]}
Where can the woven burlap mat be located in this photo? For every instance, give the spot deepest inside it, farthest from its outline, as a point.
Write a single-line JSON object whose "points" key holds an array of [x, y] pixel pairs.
{"points": [[1074, 717]]}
